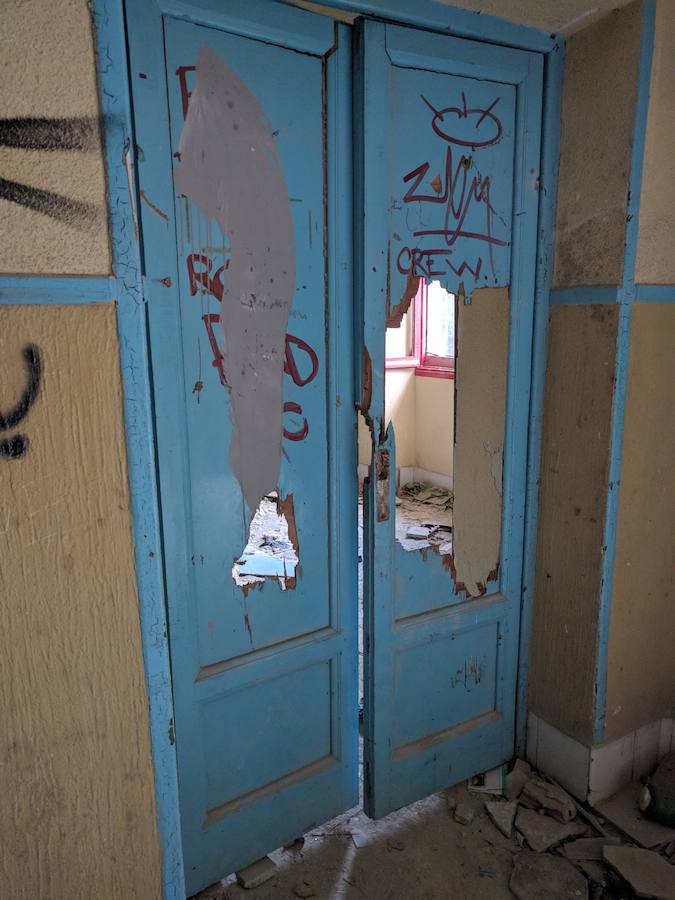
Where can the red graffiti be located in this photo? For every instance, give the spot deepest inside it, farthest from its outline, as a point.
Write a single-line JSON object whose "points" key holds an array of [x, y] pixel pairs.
{"points": [[199, 269], [202, 275], [290, 365], [422, 263], [209, 320], [182, 71], [458, 190], [302, 433]]}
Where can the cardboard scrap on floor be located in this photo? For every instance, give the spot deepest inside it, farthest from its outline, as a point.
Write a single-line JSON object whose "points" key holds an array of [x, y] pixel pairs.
{"points": [[646, 872]]}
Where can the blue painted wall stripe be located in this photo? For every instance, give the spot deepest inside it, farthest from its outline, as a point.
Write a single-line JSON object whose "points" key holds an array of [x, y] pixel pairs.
{"points": [[68, 289], [583, 295], [138, 415], [593, 294], [550, 152], [655, 293], [627, 294]]}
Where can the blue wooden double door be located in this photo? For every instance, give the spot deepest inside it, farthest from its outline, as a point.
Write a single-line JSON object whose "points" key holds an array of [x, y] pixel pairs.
{"points": [[293, 175]]}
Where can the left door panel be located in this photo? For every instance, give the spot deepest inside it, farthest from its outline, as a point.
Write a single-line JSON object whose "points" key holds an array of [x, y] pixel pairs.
{"points": [[240, 120]]}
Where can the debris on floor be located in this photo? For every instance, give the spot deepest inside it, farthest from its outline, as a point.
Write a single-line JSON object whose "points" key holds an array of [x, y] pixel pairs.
{"points": [[424, 517], [491, 782], [623, 810], [502, 814], [657, 799], [484, 845], [646, 872], [257, 873], [539, 875]]}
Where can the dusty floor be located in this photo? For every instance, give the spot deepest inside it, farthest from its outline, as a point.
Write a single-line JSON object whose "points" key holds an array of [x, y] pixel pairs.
{"points": [[418, 853]]}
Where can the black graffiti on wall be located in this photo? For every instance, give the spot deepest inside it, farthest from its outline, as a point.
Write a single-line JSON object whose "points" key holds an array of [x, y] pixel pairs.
{"points": [[77, 133], [16, 445]]}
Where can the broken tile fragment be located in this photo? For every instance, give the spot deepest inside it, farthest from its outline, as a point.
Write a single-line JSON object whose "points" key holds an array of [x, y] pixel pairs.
{"points": [[646, 872], [304, 890], [537, 875], [419, 532], [515, 780], [589, 848], [542, 832], [463, 814], [540, 794], [257, 873], [360, 838], [502, 814], [623, 811]]}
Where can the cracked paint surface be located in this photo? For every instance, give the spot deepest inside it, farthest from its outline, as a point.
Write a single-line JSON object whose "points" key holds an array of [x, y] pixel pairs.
{"points": [[230, 168]]}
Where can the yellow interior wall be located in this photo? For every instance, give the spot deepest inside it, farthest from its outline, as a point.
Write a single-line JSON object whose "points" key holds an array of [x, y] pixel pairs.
{"points": [[599, 91], [78, 805], [655, 262], [641, 662], [572, 501], [422, 412], [48, 70], [434, 416]]}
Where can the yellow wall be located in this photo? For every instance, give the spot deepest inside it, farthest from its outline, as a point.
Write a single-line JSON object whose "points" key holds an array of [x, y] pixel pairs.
{"points": [[641, 664], [422, 412], [434, 415], [599, 90], [598, 111], [75, 765], [48, 70], [78, 809], [656, 239]]}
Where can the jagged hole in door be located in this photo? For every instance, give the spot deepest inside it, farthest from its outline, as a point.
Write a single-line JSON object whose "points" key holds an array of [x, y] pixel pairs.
{"points": [[419, 398], [269, 550]]}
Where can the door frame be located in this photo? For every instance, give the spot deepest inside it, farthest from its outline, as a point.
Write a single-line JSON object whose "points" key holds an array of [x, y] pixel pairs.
{"points": [[128, 286]]}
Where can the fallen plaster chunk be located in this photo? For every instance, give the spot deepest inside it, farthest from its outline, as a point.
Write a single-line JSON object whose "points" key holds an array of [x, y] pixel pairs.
{"points": [[515, 780], [589, 848], [257, 873], [542, 832], [463, 814], [540, 794], [623, 811], [647, 873], [502, 814], [536, 876], [304, 890]]}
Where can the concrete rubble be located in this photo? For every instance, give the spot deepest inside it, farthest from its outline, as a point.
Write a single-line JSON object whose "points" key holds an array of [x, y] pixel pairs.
{"points": [[522, 844]]}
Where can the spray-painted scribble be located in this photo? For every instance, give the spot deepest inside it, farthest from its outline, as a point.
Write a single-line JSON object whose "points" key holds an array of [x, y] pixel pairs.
{"points": [[230, 168], [456, 192], [77, 133], [16, 446]]}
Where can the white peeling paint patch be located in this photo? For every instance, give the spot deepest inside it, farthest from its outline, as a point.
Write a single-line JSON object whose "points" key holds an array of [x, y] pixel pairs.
{"points": [[230, 169]]}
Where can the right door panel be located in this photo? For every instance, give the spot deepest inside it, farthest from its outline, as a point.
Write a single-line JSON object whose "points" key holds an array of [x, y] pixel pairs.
{"points": [[447, 179]]}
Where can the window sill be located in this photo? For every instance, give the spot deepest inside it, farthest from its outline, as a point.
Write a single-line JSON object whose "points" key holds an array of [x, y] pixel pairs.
{"points": [[408, 362], [436, 371]]}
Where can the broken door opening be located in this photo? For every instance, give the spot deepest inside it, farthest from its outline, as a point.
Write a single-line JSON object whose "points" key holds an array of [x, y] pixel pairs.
{"points": [[271, 550], [419, 402]]}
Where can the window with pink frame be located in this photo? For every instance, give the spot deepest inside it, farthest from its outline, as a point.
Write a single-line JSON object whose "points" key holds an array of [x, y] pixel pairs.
{"points": [[425, 339]]}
